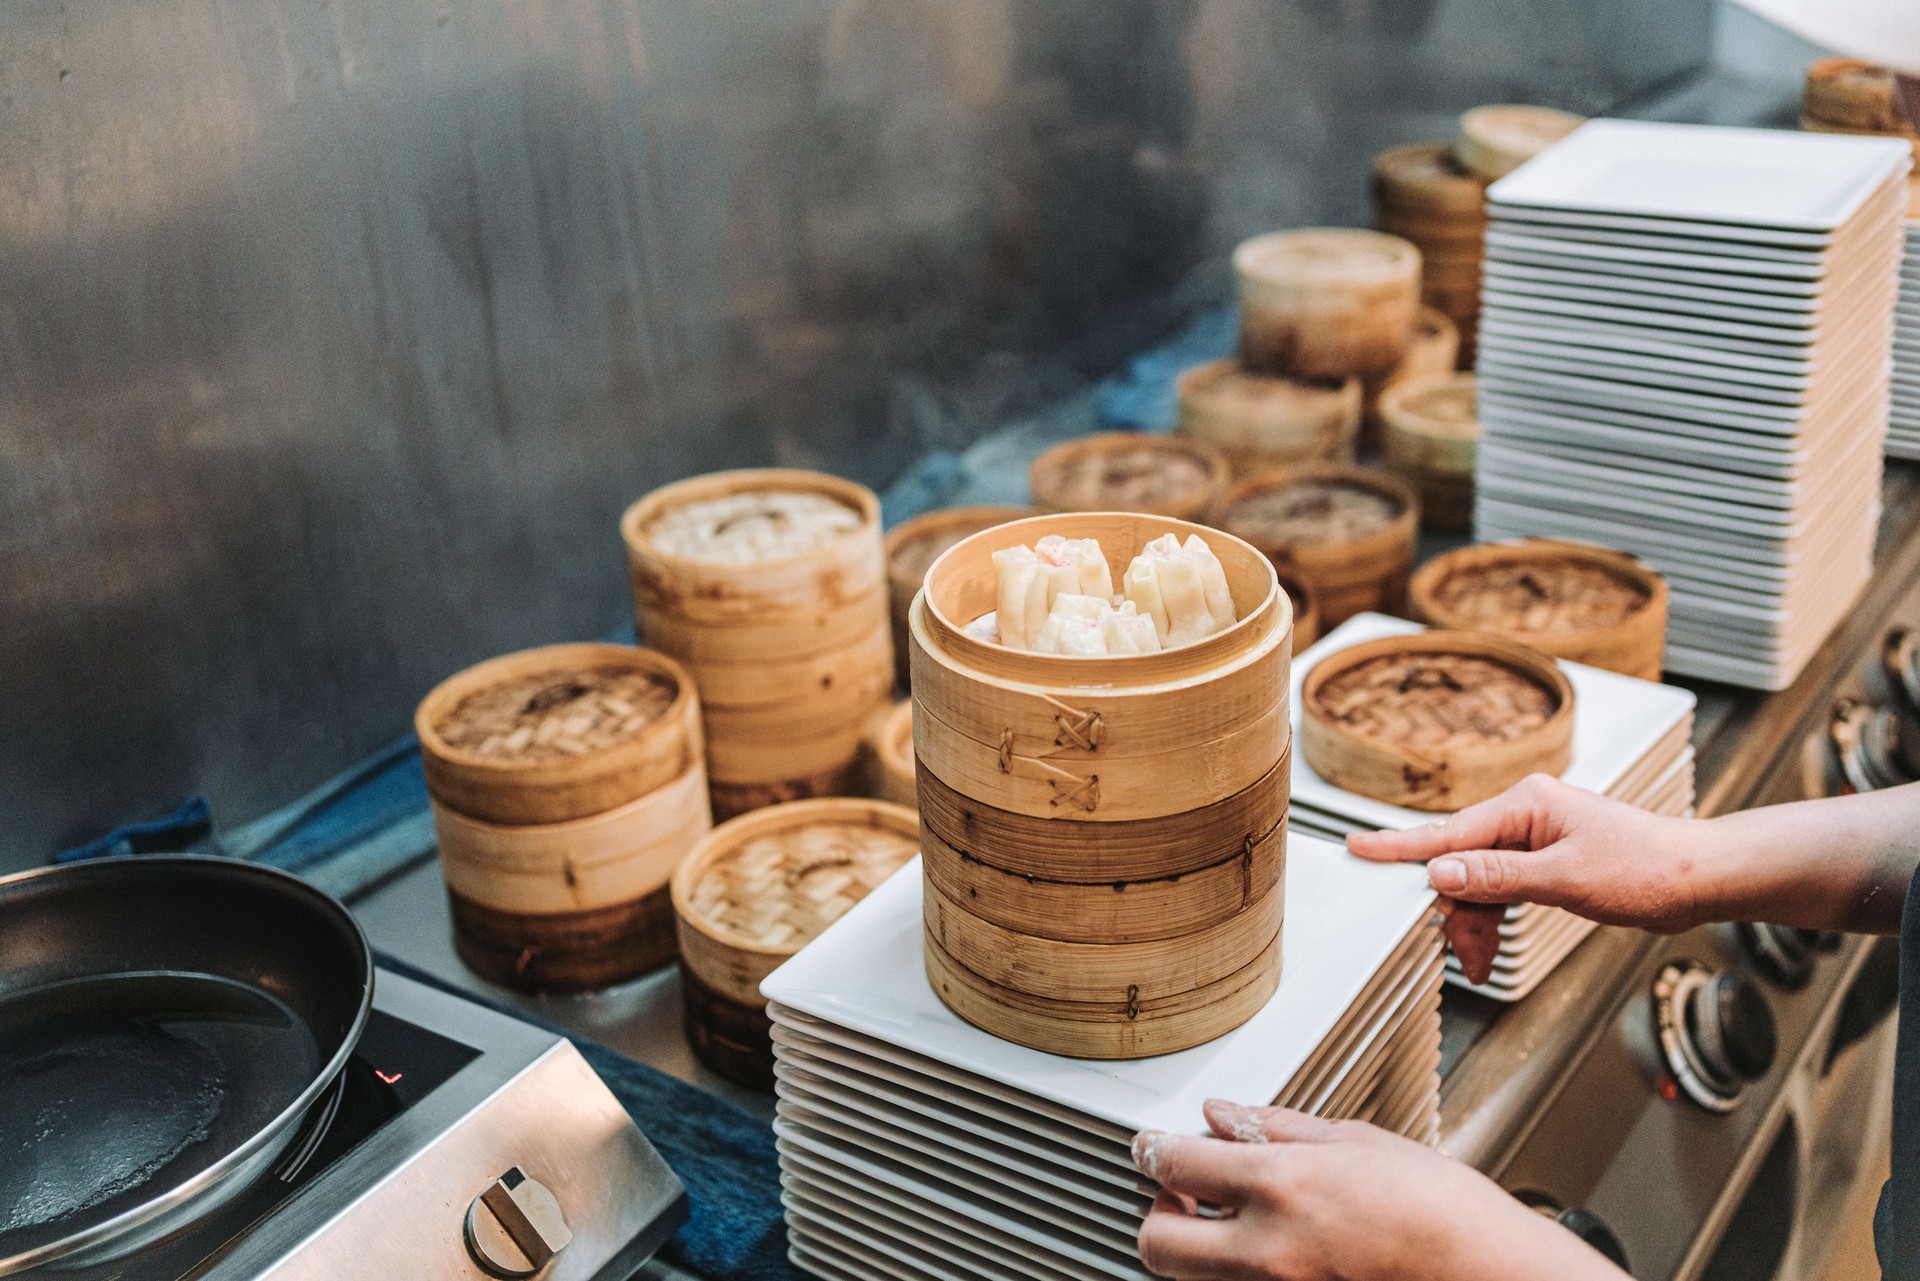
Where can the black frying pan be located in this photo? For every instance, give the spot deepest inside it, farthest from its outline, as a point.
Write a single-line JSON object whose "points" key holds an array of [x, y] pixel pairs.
{"points": [[166, 1023]]}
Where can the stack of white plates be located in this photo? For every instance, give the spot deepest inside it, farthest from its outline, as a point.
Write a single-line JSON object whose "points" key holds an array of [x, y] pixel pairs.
{"points": [[1903, 427], [1631, 741], [912, 1144], [1685, 354]]}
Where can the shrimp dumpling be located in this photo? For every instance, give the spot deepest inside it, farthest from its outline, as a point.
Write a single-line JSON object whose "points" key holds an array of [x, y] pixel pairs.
{"points": [[1030, 579], [1130, 632], [1090, 625], [1183, 589]]}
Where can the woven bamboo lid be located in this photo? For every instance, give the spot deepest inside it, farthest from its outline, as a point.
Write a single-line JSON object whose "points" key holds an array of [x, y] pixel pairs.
{"points": [[1437, 720], [1854, 94], [1423, 183], [1433, 423], [1535, 586], [1314, 505], [1496, 140], [760, 887], [557, 733], [1125, 471], [1325, 257]]}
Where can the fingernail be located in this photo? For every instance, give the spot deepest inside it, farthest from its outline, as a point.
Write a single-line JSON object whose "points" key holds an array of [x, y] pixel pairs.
{"points": [[1447, 875], [1241, 1123], [1146, 1152]]}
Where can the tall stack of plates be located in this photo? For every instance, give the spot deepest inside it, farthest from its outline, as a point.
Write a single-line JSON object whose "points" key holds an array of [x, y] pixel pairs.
{"points": [[1685, 355], [915, 1145], [1631, 741], [1903, 427]]}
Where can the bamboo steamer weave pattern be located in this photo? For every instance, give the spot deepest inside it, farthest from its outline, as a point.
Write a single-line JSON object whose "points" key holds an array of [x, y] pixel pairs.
{"points": [[554, 714], [1587, 604], [757, 890], [1125, 471], [1435, 721], [1346, 532], [1122, 813]]}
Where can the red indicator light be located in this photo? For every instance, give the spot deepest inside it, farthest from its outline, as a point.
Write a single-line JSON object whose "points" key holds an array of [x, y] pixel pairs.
{"points": [[1669, 1088], [395, 1078]]}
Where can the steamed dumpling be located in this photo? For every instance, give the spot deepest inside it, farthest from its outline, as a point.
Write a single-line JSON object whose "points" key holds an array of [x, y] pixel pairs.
{"points": [[1031, 578], [1183, 589], [1090, 625]]}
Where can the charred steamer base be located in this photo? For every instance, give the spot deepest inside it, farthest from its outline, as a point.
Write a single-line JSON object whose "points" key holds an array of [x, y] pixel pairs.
{"points": [[1709, 1105], [469, 1144]]}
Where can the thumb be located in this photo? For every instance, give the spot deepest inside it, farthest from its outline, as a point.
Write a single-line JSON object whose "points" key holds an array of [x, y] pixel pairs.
{"points": [[1503, 876]]}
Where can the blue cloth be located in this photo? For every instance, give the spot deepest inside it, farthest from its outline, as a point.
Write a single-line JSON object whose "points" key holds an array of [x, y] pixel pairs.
{"points": [[735, 1230], [187, 826]]}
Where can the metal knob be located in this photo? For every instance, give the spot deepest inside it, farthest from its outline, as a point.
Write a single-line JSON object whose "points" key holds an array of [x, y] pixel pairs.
{"points": [[515, 1227], [1732, 1027], [1592, 1229], [1783, 954]]}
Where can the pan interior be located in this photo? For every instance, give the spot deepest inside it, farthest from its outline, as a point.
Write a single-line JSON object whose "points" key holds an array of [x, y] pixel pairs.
{"points": [[117, 1088]]}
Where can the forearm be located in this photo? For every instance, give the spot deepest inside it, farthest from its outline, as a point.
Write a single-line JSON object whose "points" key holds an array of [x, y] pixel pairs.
{"points": [[1839, 864]]}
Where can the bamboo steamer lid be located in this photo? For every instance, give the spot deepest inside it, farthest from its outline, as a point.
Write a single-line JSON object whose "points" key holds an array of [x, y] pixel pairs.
{"points": [[1496, 140], [1328, 302], [1424, 184], [1348, 532], [1435, 721], [1097, 740], [1854, 95], [892, 748], [760, 887], [558, 733], [913, 545], [1261, 420], [1433, 426], [1172, 476], [1585, 604]]}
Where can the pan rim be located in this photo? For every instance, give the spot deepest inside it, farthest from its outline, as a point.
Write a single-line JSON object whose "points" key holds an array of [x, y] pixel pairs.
{"points": [[185, 1193]]}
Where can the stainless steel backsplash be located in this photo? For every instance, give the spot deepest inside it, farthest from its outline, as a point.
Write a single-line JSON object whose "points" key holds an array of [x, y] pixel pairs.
{"points": [[335, 336]]}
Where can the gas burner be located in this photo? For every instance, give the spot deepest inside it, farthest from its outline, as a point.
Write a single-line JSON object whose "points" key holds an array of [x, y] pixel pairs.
{"points": [[1785, 955], [1715, 1029], [1876, 747]]}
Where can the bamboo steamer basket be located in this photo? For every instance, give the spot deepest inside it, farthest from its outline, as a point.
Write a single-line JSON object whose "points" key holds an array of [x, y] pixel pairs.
{"points": [[1423, 184], [891, 748], [1391, 738], [792, 655], [1435, 350], [1306, 609], [1432, 438], [593, 775], [559, 831], [1126, 471], [913, 545], [1086, 821], [753, 893], [1585, 604], [1260, 421], [1349, 570], [1326, 302], [1851, 94], [1496, 140]]}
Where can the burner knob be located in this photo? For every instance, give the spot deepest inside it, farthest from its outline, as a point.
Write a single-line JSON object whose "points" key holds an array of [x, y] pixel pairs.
{"points": [[1900, 657], [1782, 954], [1592, 1229], [1715, 1030], [515, 1227]]}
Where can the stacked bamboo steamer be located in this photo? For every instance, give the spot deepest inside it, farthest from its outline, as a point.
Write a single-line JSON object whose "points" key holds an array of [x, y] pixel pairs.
{"points": [[1103, 839], [567, 783], [1347, 533], [1263, 420], [753, 893], [913, 545], [1847, 96], [1432, 438], [1435, 349], [1171, 476], [787, 637], [1434, 194], [1582, 603], [890, 756]]}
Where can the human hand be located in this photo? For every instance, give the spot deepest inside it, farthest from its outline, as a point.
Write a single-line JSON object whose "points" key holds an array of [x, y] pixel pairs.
{"points": [[1545, 841], [1307, 1199]]}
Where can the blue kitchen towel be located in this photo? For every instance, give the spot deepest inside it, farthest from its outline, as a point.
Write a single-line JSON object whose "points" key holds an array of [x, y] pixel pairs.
{"points": [[190, 823], [725, 1156]]}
